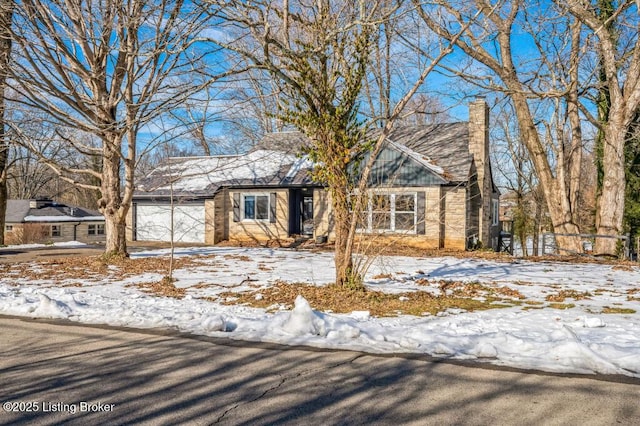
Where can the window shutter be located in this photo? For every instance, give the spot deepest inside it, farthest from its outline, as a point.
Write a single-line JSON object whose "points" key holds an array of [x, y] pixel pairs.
{"points": [[272, 207], [420, 214], [236, 207]]}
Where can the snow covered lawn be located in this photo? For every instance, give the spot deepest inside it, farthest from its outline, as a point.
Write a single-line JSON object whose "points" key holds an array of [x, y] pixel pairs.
{"points": [[560, 317]]}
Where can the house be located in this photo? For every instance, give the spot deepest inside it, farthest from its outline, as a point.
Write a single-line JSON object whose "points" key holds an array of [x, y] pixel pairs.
{"points": [[431, 184], [43, 221], [262, 195]]}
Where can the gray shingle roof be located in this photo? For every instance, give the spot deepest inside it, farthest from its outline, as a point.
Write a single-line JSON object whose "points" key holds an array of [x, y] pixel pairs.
{"points": [[290, 142], [18, 210]]}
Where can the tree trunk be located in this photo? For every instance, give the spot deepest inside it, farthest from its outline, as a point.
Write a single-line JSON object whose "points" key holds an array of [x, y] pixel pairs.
{"points": [[555, 190], [6, 13], [618, 103], [116, 243], [4, 164], [110, 204], [345, 274], [3, 191], [611, 203], [574, 157]]}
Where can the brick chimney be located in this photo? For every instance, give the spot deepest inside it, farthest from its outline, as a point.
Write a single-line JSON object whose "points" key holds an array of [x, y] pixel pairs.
{"points": [[479, 149]]}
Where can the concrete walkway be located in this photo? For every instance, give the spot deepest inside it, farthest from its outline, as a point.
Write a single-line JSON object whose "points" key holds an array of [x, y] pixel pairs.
{"points": [[72, 374]]}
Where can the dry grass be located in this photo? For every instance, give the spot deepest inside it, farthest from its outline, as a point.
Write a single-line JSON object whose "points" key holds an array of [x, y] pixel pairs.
{"points": [[476, 289], [382, 277], [340, 300], [568, 294], [562, 305], [94, 267], [164, 288], [610, 310]]}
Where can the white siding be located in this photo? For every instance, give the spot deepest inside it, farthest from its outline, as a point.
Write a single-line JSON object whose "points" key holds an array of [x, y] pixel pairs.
{"points": [[153, 223]]}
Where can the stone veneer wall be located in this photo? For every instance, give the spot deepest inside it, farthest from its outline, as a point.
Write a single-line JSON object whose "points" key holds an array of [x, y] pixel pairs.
{"points": [[479, 148], [444, 219], [454, 211], [258, 230]]}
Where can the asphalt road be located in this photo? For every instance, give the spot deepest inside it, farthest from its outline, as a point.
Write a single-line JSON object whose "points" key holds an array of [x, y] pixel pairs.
{"points": [[66, 371]]}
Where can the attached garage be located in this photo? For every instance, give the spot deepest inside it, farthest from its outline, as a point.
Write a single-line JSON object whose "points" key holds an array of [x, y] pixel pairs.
{"points": [[153, 223]]}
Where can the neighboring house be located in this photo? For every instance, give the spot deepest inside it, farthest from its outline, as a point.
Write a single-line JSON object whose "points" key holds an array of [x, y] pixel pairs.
{"points": [[43, 220], [432, 184]]}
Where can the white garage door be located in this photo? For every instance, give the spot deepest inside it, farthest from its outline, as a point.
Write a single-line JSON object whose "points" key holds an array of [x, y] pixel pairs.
{"points": [[153, 223]]}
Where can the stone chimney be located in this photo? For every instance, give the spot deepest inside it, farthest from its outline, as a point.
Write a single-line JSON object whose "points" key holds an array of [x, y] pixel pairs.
{"points": [[479, 149]]}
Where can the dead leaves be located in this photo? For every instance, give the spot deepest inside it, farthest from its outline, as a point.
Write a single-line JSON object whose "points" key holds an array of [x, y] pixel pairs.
{"points": [[164, 287], [93, 268], [568, 294], [332, 298]]}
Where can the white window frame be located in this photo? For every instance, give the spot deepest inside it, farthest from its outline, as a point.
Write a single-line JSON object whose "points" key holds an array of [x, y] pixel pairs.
{"points": [[97, 227], [8, 228], [392, 225], [57, 232], [243, 196]]}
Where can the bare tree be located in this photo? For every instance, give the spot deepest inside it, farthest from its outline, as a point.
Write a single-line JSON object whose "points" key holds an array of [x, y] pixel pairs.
{"points": [[6, 13], [27, 177], [105, 69], [424, 109], [514, 172], [488, 40], [253, 108], [402, 47], [319, 53], [619, 52], [230, 118]]}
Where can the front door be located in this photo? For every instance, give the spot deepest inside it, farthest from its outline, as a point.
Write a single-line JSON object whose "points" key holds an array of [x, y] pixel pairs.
{"points": [[307, 214], [301, 212]]}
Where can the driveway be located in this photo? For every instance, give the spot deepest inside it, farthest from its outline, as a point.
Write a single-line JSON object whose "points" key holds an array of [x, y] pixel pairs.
{"points": [[64, 372], [18, 255]]}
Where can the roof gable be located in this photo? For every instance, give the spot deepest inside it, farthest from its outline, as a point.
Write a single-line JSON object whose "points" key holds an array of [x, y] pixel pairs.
{"points": [[397, 165], [444, 145], [16, 211]]}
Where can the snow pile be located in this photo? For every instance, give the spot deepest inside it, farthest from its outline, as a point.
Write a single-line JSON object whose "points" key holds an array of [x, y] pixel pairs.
{"points": [[214, 323], [305, 321], [31, 246], [50, 308], [593, 322]]}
